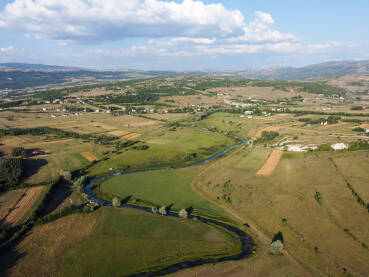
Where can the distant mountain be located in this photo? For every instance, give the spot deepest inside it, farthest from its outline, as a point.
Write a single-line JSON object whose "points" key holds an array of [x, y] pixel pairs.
{"points": [[33, 66], [328, 69], [21, 75]]}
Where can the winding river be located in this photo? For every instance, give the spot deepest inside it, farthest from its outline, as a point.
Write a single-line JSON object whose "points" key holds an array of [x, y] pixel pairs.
{"points": [[246, 241]]}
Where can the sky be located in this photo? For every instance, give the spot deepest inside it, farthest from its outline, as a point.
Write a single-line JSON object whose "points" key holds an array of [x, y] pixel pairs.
{"points": [[183, 34]]}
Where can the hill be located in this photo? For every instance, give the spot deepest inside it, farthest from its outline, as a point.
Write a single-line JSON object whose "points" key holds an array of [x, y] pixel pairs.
{"points": [[15, 76]]}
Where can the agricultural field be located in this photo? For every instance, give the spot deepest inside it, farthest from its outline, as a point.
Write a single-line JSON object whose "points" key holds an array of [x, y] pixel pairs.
{"points": [[143, 136], [308, 199]]}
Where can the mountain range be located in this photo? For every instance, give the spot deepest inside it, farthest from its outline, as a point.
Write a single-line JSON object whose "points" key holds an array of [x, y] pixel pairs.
{"points": [[14, 76]]}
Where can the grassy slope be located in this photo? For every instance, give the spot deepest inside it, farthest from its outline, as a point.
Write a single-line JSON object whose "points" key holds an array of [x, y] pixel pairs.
{"points": [[113, 242], [128, 241], [253, 160], [289, 193]]}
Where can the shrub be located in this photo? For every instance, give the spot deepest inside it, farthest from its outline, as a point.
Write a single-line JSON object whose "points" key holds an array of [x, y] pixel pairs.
{"points": [[67, 175], [18, 152], [276, 248], [117, 202], [154, 210], [163, 210]]}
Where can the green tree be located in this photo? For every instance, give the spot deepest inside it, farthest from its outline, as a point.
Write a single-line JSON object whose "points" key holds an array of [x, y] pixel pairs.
{"points": [[276, 248], [116, 202], [67, 175], [183, 213], [18, 152], [154, 210], [163, 210]]}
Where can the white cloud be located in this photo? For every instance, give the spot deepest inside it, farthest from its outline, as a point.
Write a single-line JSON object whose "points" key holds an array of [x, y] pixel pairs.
{"points": [[100, 20], [7, 49], [259, 30]]}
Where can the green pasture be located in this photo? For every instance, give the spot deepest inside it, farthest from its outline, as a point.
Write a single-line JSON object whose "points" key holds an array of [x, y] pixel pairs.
{"points": [[128, 241], [166, 149]]}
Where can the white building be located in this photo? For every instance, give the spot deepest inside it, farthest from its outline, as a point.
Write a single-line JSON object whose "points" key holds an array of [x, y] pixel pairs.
{"points": [[339, 146]]}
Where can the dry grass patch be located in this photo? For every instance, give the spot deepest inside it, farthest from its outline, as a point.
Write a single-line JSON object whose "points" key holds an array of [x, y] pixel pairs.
{"points": [[119, 133], [8, 200], [38, 144], [103, 126], [89, 156], [132, 136], [44, 246], [25, 203], [271, 163]]}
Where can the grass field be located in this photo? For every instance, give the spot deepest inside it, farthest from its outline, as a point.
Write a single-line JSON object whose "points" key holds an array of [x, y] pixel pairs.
{"points": [[253, 159], [116, 242], [8, 200], [314, 232], [161, 188], [166, 149]]}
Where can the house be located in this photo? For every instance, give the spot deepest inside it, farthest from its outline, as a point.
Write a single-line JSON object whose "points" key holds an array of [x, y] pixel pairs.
{"points": [[53, 115], [249, 112], [44, 109], [339, 146], [324, 123], [249, 117], [366, 130], [97, 111], [36, 152]]}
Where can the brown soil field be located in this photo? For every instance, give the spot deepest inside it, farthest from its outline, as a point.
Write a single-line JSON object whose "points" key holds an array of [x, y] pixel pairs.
{"points": [[119, 133], [271, 163], [89, 156], [132, 136], [24, 205]]}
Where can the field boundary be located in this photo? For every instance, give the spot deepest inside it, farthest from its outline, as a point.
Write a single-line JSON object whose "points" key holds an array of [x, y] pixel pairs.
{"points": [[272, 162]]}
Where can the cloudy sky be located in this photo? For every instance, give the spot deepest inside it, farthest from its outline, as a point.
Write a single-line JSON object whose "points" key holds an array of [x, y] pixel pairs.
{"points": [[183, 34]]}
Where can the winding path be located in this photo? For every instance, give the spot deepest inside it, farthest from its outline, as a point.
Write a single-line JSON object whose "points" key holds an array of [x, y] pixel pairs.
{"points": [[246, 240]]}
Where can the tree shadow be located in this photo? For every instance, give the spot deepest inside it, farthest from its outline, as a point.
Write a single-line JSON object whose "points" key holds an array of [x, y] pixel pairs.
{"points": [[61, 191], [32, 166], [189, 210], [10, 256], [125, 200], [169, 207]]}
